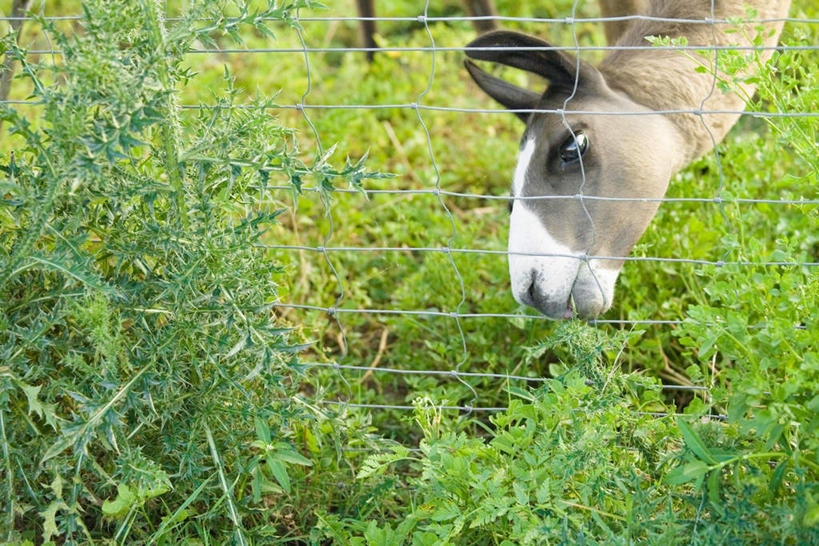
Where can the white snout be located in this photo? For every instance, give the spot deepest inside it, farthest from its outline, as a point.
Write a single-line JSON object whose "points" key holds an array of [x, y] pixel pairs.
{"points": [[541, 269], [548, 275]]}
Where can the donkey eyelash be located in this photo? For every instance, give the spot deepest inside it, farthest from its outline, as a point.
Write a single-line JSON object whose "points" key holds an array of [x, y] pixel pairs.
{"points": [[574, 147]]}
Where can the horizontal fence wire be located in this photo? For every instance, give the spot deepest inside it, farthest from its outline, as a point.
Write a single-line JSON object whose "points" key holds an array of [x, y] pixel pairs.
{"points": [[500, 409], [419, 107], [580, 257], [453, 19], [458, 315], [456, 374], [493, 197], [333, 311], [462, 49], [433, 108]]}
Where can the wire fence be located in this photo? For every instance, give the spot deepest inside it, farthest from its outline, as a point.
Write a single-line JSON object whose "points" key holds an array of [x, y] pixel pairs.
{"points": [[341, 307]]}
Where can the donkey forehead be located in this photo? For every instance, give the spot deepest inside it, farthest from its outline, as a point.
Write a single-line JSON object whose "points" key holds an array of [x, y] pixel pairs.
{"points": [[583, 106], [552, 121]]}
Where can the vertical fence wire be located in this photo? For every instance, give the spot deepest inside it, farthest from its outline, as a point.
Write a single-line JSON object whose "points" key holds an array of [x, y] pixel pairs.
{"points": [[323, 196], [580, 195], [451, 218], [717, 157]]}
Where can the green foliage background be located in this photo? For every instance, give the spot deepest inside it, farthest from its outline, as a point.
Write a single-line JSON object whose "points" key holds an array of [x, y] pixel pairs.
{"points": [[151, 391]]}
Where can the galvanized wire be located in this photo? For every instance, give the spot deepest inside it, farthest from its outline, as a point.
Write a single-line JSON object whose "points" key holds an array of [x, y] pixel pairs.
{"points": [[460, 49], [493, 197], [434, 108], [457, 315], [452, 19], [581, 257], [457, 374], [328, 213], [498, 409], [450, 217]]}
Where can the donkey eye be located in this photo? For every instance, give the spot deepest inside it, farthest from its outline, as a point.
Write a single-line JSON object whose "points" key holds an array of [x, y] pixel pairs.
{"points": [[574, 148]]}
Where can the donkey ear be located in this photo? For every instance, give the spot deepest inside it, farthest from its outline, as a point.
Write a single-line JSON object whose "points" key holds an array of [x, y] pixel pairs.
{"points": [[510, 96], [534, 55]]}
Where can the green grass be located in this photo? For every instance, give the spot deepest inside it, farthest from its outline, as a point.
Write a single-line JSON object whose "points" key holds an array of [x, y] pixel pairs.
{"points": [[170, 406]]}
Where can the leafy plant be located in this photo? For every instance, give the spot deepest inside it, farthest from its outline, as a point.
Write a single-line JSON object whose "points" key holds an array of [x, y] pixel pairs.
{"points": [[138, 342]]}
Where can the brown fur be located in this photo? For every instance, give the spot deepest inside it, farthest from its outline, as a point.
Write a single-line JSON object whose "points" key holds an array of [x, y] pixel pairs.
{"points": [[665, 80], [619, 8]]}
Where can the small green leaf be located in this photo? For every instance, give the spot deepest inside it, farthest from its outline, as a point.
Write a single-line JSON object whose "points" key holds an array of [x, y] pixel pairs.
{"points": [[293, 457], [122, 504], [686, 473], [544, 492], [445, 512], [774, 434], [811, 515], [156, 490], [776, 478], [262, 429], [694, 443], [49, 516], [713, 487], [521, 494], [31, 393], [279, 472], [256, 485], [238, 346]]}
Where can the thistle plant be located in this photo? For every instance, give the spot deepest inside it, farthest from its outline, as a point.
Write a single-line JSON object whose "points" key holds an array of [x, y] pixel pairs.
{"points": [[143, 371]]}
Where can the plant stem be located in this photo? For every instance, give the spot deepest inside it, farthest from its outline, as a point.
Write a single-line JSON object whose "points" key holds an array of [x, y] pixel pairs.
{"points": [[170, 126], [733, 460], [9, 474], [234, 515]]}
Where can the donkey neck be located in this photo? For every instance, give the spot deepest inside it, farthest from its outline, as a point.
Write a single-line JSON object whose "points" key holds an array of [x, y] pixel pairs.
{"points": [[667, 80]]}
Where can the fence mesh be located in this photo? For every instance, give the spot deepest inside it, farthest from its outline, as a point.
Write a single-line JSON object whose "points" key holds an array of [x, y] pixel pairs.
{"points": [[420, 107]]}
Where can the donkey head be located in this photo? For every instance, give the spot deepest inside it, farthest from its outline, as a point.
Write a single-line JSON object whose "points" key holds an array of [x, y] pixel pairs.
{"points": [[553, 230]]}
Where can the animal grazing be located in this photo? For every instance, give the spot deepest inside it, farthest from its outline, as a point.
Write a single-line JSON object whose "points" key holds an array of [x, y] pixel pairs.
{"points": [[620, 156]]}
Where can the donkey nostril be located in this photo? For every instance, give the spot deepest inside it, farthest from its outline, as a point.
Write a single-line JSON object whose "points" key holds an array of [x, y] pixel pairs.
{"points": [[532, 292]]}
